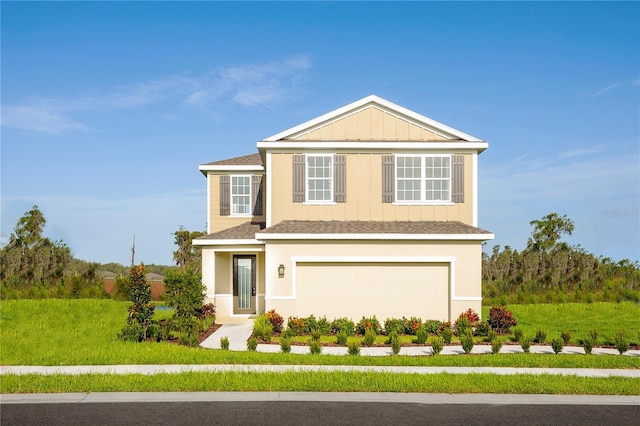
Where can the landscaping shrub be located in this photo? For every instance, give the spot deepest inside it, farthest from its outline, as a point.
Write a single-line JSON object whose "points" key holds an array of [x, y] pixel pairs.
{"points": [[472, 317], [131, 333], [447, 334], [566, 336], [590, 341], [322, 324], [344, 325], [302, 326], [517, 334], [491, 336], [285, 345], [557, 345], [224, 343], [482, 329], [392, 325], [444, 326], [412, 326], [525, 342], [353, 349], [341, 338], [366, 324], [252, 344], [262, 328], [621, 342], [432, 326], [369, 337], [541, 335], [394, 340], [466, 340], [462, 326], [421, 335], [141, 309], [296, 326], [437, 344], [183, 291], [496, 345], [277, 322], [315, 335], [501, 320], [315, 347], [208, 311], [189, 339]]}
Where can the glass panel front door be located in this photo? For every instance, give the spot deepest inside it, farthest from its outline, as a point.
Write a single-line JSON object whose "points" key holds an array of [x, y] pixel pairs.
{"points": [[244, 284]]}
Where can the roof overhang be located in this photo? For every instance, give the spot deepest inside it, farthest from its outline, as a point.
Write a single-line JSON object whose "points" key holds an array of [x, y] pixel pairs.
{"points": [[204, 168], [265, 236], [383, 146], [228, 242]]}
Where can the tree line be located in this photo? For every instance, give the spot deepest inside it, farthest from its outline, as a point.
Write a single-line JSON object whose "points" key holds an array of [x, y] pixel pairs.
{"points": [[548, 270]]}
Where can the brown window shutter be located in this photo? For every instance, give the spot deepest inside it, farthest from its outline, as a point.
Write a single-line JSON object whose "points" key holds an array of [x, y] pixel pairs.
{"points": [[340, 178], [224, 195], [388, 178], [298, 178], [256, 193], [457, 178]]}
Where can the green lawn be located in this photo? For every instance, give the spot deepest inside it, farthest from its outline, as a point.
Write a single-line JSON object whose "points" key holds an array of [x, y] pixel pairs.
{"points": [[83, 332], [606, 317], [322, 382]]}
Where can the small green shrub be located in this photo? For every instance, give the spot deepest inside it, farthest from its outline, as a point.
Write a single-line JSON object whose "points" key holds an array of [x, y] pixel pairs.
{"points": [[421, 335], [343, 325], [315, 347], [462, 326], [621, 342], [432, 326], [366, 324], [189, 339], [394, 325], [341, 338], [466, 340], [541, 336], [517, 334], [557, 345], [262, 328], [447, 334], [353, 349], [224, 343], [395, 343], [369, 337], [277, 322], [252, 344], [285, 345], [590, 341], [482, 329], [525, 342], [296, 326], [437, 344], [566, 336], [491, 335], [496, 345], [132, 333], [501, 320], [288, 333], [315, 334]]}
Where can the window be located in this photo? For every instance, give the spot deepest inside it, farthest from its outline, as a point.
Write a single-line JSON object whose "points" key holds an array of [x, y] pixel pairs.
{"points": [[240, 195], [319, 178], [423, 178]]}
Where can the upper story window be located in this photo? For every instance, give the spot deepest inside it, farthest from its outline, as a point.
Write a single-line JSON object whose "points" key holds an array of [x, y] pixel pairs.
{"points": [[240, 195], [423, 178], [319, 178]]}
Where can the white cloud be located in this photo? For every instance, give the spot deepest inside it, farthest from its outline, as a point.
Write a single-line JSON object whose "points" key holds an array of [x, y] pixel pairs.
{"points": [[248, 85], [605, 89]]}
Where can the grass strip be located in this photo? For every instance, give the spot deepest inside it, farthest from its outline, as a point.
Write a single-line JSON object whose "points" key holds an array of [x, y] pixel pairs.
{"points": [[322, 382]]}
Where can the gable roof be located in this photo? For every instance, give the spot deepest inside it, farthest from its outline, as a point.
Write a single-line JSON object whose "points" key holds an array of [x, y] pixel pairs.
{"points": [[373, 101], [243, 163]]}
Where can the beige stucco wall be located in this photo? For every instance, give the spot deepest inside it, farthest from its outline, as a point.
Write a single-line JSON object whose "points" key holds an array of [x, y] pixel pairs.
{"points": [[217, 222], [364, 195], [217, 277], [464, 274], [371, 124]]}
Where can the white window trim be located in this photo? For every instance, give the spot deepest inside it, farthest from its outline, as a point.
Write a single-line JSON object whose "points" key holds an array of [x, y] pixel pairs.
{"points": [[422, 201], [306, 180], [231, 213]]}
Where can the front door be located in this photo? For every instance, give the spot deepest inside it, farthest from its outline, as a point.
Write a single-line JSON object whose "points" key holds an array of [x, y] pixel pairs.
{"points": [[244, 284]]}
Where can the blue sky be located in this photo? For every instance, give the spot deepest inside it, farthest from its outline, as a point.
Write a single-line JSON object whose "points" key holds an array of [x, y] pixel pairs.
{"points": [[108, 108]]}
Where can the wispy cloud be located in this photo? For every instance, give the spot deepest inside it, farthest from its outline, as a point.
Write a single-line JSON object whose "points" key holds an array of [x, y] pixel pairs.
{"points": [[611, 87], [248, 85]]}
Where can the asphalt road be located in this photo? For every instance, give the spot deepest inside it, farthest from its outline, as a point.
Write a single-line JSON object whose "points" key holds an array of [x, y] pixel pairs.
{"points": [[313, 413]]}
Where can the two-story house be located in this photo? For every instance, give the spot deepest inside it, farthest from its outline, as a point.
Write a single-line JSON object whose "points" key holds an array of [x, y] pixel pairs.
{"points": [[370, 209]]}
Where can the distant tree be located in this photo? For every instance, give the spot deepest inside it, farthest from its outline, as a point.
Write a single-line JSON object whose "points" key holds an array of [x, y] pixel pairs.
{"points": [[187, 256], [548, 230]]}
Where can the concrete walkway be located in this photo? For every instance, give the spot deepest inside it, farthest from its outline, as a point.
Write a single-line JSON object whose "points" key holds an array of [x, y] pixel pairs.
{"points": [[238, 334]]}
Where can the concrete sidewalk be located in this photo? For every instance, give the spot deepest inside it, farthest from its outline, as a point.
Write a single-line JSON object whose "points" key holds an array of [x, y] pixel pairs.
{"points": [[375, 397]]}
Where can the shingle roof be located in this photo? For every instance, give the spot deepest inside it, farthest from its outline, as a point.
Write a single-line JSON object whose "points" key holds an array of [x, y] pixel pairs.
{"points": [[245, 160], [372, 227], [245, 231]]}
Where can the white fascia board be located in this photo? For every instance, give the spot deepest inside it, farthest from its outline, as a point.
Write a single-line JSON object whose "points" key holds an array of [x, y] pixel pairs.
{"points": [[226, 242], [229, 168], [445, 146], [375, 100], [376, 259], [423, 237]]}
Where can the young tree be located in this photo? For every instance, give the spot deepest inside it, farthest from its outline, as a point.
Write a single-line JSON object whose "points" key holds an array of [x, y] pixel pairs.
{"points": [[187, 256]]}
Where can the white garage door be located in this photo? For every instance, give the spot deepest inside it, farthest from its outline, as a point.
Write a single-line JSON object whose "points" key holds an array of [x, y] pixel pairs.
{"points": [[388, 290]]}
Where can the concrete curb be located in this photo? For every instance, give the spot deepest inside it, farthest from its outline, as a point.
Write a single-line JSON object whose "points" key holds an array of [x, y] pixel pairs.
{"points": [[382, 397]]}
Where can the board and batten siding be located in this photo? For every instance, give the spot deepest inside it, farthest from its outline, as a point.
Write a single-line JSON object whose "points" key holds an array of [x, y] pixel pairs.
{"points": [[363, 194]]}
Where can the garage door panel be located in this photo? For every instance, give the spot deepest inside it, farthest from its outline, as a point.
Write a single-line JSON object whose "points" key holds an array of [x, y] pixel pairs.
{"points": [[387, 290]]}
